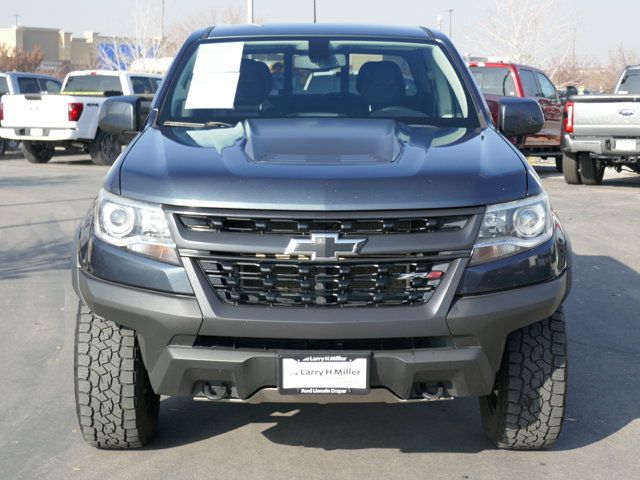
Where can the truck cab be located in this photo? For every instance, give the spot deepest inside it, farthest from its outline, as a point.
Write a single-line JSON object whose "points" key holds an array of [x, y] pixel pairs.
{"points": [[513, 80]]}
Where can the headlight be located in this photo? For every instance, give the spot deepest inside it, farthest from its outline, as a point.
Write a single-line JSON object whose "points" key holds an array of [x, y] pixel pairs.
{"points": [[510, 228], [137, 226]]}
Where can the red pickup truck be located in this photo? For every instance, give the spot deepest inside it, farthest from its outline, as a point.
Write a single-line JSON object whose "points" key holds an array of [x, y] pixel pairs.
{"points": [[512, 80]]}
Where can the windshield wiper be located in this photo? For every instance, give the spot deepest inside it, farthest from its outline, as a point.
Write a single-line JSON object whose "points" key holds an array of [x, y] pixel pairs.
{"points": [[211, 124]]}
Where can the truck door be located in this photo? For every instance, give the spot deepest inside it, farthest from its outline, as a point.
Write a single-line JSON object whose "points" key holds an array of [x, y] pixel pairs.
{"points": [[552, 109]]}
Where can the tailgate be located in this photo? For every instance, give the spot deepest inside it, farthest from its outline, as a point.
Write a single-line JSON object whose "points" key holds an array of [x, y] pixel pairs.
{"points": [[43, 111], [606, 116]]}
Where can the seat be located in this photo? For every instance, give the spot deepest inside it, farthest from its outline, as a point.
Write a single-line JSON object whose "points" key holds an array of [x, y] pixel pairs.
{"points": [[254, 85], [381, 84]]}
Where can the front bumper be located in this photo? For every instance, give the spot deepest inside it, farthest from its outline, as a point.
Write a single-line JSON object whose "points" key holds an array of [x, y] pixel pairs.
{"points": [[167, 326]]}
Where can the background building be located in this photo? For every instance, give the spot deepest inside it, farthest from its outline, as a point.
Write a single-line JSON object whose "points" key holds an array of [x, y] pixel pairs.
{"points": [[61, 49]]}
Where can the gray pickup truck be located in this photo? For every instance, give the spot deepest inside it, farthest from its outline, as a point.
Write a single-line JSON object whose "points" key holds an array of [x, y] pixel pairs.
{"points": [[602, 131]]}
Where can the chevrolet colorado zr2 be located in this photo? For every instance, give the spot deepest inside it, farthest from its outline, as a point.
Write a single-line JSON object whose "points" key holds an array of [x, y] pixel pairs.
{"points": [[373, 239]]}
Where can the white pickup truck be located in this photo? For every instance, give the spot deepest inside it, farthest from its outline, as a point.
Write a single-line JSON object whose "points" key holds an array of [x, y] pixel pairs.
{"points": [[602, 131], [16, 83], [70, 119]]}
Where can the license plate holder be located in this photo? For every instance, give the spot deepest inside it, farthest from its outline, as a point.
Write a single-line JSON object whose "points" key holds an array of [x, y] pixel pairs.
{"points": [[36, 132], [625, 145], [321, 373]]}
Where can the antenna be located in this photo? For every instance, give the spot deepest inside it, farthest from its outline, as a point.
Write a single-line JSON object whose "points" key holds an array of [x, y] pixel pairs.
{"points": [[450, 23]]}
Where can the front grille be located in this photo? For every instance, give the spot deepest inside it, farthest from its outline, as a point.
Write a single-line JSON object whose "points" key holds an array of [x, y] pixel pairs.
{"points": [[295, 283], [287, 226], [352, 344]]}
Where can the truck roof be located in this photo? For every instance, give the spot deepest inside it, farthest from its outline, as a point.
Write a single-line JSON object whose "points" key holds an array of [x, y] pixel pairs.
{"points": [[502, 65], [30, 74], [328, 29], [111, 73]]}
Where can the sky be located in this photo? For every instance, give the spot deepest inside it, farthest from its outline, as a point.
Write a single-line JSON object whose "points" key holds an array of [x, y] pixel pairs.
{"points": [[600, 25]]}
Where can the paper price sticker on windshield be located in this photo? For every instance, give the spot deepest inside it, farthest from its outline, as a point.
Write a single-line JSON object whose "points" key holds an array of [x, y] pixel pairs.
{"points": [[215, 76]]}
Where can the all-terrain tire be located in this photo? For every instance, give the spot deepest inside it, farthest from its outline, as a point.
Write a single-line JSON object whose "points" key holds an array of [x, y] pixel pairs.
{"points": [[591, 170], [105, 148], [571, 169], [37, 152], [526, 409], [116, 405]]}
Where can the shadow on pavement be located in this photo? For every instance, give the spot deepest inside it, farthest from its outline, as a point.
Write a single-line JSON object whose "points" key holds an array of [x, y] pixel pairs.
{"points": [[604, 362], [33, 181], [20, 262]]}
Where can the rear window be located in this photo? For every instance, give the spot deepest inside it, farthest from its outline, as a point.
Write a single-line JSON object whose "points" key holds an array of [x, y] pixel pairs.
{"points": [[630, 84], [50, 86], [93, 84], [495, 81], [4, 87], [28, 85], [144, 85]]}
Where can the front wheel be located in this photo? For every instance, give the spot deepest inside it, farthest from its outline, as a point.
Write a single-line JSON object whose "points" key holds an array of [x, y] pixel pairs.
{"points": [[38, 152], [526, 409], [116, 405], [104, 150]]}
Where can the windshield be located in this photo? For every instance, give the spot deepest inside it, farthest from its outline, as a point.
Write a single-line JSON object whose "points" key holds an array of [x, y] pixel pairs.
{"points": [[495, 81], [319, 77], [93, 84], [630, 84]]}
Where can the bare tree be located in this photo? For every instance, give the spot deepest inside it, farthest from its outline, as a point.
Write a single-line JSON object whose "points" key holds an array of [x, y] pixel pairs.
{"points": [[12, 59], [523, 31], [228, 15], [145, 40]]}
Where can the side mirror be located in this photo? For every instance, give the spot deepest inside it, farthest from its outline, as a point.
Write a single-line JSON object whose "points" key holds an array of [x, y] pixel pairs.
{"points": [[520, 116], [124, 116]]}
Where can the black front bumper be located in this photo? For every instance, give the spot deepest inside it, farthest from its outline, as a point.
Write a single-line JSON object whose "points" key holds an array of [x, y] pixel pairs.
{"points": [[168, 325]]}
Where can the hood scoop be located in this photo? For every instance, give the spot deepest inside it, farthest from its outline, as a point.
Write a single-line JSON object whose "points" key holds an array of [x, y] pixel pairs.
{"points": [[330, 141]]}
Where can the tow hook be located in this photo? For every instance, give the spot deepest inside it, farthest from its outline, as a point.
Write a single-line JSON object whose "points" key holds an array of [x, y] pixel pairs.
{"points": [[214, 392], [438, 395]]}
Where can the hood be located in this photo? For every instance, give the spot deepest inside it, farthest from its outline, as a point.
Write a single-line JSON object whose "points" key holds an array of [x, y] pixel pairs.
{"points": [[322, 164]]}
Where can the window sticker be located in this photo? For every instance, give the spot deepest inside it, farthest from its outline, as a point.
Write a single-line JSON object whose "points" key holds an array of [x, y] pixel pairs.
{"points": [[215, 76]]}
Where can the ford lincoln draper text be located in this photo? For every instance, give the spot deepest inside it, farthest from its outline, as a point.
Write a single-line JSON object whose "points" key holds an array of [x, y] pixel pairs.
{"points": [[372, 239]]}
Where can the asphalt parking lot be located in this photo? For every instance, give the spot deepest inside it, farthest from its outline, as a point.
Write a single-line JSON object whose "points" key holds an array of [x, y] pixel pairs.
{"points": [[40, 206]]}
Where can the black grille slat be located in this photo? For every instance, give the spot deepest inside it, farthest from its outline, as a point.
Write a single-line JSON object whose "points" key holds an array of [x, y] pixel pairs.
{"points": [[367, 344], [341, 284], [285, 226]]}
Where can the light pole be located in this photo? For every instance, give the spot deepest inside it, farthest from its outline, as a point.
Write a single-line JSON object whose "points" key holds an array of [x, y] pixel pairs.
{"points": [[450, 23], [162, 26], [315, 12], [249, 11]]}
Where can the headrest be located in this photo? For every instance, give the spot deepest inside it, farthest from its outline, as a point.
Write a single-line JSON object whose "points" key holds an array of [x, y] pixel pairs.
{"points": [[254, 84], [381, 83]]}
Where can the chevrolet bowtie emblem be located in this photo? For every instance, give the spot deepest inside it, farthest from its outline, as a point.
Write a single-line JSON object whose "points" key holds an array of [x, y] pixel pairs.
{"points": [[325, 246]]}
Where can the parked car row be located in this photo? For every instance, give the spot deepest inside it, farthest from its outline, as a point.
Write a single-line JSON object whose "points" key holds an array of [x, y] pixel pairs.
{"points": [[44, 114]]}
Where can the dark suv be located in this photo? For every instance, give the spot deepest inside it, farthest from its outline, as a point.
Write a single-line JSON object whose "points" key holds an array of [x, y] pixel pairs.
{"points": [[377, 240]]}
